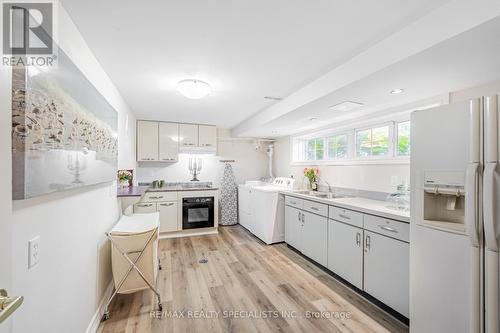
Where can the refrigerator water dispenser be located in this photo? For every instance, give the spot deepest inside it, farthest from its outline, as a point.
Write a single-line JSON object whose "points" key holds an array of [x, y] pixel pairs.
{"points": [[444, 199]]}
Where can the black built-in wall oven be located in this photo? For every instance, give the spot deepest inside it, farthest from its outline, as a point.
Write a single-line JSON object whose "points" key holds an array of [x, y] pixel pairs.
{"points": [[197, 212]]}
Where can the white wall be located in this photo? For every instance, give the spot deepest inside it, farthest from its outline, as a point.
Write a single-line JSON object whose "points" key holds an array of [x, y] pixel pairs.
{"points": [[250, 164], [5, 187], [63, 291], [377, 178], [489, 88]]}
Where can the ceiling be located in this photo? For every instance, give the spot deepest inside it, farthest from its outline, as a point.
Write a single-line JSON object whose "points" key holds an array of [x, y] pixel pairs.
{"points": [[245, 49], [467, 60]]}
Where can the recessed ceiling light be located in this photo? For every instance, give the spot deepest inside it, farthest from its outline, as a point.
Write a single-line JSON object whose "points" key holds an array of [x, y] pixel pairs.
{"points": [[194, 89], [397, 91], [346, 106]]}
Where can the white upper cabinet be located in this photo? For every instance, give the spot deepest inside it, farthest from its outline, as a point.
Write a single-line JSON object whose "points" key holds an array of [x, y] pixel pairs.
{"points": [[188, 135], [207, 136], [162, 141], [147, 140], [168, 142]]}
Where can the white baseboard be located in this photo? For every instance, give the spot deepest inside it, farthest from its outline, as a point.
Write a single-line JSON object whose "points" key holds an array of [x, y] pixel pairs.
{"points": [[190, 233], [96, 319]]}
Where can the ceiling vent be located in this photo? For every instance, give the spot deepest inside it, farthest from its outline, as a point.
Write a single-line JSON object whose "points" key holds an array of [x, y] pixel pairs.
{"points": [[346, 106]]}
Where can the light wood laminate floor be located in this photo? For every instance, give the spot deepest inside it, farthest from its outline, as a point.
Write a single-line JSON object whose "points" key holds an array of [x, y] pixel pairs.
{"points": [[246, 286]]}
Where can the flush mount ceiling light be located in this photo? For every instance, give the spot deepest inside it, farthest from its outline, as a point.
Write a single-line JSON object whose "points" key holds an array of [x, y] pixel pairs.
{"points": [[397, 91], [346, 106], [194, 89]]}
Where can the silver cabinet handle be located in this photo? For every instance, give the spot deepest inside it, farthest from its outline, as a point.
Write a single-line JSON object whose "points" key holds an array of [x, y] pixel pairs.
{"points": [[344, 216], [293, 202], [167, 204], [315, 208], [168, 159], [299, 217], [367, 243], [358, 239], [383, 227], [145, 205], [160, 197], [303, 218]]}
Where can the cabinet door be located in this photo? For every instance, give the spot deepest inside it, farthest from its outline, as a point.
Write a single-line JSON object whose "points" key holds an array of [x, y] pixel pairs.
{"points": [[293, 226], [208, 136], [144, 208], [345, 252], [314, 243], [147, 141], [188, 135], [168, 142], [168, 216], [387, 271]]}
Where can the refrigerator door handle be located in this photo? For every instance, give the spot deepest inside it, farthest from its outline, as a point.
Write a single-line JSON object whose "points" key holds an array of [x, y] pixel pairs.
{"points": [[489, 203], [471, 202], [491, 247]]}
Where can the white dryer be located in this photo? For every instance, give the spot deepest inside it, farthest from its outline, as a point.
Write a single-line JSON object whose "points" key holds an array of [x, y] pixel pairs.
{"points": [[261, 208]]}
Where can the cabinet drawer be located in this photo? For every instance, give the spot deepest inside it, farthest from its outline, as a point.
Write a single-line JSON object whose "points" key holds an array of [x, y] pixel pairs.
{"points": [[347, 216], [391, 228], [316, 208], [144, 208], [294, 202], [159, 196]]}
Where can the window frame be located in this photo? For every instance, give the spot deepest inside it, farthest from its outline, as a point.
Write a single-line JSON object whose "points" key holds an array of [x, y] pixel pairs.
{"points": [[352, 159], [327, 146], [396, 138], [390, 147]]}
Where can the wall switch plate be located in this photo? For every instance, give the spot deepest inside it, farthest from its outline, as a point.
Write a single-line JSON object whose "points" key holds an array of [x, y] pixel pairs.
{"points": [[33, 252]]}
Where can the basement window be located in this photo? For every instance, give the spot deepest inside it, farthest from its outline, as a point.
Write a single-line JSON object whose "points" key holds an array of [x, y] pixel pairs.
{"points": [[373, 142], [403, 139], [337, 146]]}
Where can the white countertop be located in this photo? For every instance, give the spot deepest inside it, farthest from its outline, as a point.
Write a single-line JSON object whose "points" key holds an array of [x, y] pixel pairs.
{"points": [[368, 206]]}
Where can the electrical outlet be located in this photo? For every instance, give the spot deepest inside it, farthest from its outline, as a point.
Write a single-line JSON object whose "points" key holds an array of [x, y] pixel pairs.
{"points": [[33, 252]]}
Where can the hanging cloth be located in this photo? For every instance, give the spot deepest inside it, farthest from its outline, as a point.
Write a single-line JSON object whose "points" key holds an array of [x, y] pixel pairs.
{"points": [[228, 197]]}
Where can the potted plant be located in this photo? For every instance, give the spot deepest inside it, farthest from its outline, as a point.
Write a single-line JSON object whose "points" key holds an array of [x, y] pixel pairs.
{"points": [[312, 175], [124, 177]]}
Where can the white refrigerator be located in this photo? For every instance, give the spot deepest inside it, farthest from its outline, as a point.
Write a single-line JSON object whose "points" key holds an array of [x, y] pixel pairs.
{"points": [[455, 213]]}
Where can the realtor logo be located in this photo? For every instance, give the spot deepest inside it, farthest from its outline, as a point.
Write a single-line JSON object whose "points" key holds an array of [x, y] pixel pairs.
{"points": [[27, 33]]}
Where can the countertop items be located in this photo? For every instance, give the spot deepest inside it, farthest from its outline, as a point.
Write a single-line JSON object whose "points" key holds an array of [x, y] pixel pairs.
{"points": [[364, 205], [131, 191], [177, 187]]}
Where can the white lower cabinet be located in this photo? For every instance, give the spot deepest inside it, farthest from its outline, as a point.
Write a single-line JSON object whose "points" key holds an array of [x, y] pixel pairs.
{"points": [[314, 242], [168, 216], [386, 271], [307, 233], [370, 252], [144, 208], [345, 252], [293, 226], [168, 213]]}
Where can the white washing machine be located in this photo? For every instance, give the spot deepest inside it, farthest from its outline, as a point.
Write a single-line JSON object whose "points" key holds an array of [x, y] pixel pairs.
{"points": [[261, 208]]}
